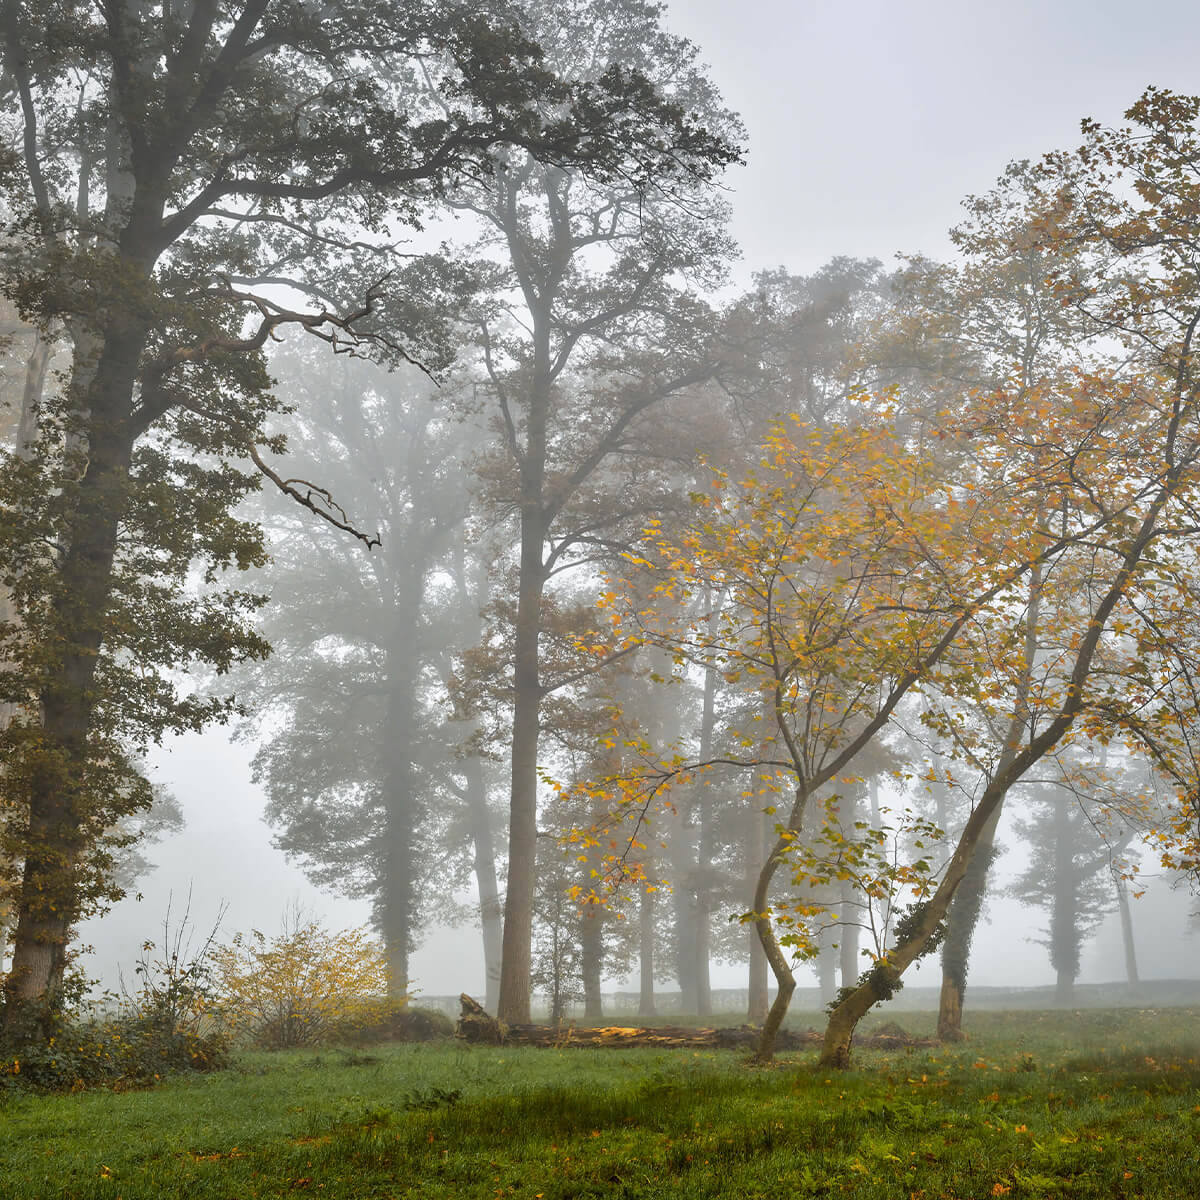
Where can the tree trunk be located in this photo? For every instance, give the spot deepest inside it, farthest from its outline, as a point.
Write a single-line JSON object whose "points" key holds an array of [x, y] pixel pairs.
{"points": [[58, 806], [826, 964], [591, 959], [705, 850], [491, 907], [1127, 941], [684, 897], [848, 948], [646, 908], [522, 823], [757, 991], [785, 981], [1064, 915], [960, 929]]}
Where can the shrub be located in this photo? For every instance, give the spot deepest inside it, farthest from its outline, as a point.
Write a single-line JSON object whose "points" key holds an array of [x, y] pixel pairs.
{"points": [[385, 1019], [166, 1025], [303, 987]]}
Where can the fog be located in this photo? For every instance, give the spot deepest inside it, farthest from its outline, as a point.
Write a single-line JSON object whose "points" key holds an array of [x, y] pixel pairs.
{"points": [[867, 126]]}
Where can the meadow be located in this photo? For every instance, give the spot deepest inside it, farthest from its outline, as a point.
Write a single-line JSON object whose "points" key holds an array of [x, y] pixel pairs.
{"points": [[1090, 1103]]}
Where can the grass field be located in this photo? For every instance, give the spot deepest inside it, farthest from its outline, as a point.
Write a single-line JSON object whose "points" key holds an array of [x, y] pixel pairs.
{"points": [[1089, 1104]]}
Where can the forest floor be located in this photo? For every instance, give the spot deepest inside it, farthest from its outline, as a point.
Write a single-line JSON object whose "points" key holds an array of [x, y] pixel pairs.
{"points": [[1088, 1103]]}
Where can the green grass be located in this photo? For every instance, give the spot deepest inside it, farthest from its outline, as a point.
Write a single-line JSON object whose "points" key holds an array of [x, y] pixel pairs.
{"points": [[1089, 1104]]}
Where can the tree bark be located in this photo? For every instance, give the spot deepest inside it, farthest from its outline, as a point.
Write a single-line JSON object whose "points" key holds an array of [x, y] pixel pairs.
{"points": [[591, 960], [757, 991], [50, 902], [960, 929], [646, 906], [522, 821], [491, 907], [1127, 939]]}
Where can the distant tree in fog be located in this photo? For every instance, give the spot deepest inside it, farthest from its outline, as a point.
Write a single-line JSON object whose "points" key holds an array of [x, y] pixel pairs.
{"points": [[366, 785]]}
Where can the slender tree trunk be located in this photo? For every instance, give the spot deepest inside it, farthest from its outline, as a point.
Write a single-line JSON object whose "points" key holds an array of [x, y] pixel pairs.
{"points": [[757, 994], [848, 944], [826, 967], [785, 981], [646, 906], [1127, 940], [522, 822], [684, 897], [591, 959], [1064, 915], [491, 907], [705, 852]]}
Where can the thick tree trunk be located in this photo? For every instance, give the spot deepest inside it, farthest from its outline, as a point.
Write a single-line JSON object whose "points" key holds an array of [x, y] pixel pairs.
{"points": [[646, 906], [960, 929], [58, 807]]}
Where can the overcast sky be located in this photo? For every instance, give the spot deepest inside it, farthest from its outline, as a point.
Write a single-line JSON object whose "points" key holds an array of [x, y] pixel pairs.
{"points": [[868, 123]]}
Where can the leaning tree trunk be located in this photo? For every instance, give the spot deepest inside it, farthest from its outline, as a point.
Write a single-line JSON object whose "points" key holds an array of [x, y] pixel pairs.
{"points": [[968, 899]]}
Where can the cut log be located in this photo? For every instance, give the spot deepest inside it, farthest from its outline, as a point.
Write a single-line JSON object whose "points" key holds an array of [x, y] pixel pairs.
{"points": [[476, 1026]]}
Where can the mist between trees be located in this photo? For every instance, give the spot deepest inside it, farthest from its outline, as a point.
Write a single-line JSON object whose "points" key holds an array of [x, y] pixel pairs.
{"points": [[644, 607]]}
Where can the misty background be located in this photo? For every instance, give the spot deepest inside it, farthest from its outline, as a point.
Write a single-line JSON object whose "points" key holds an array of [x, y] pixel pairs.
{"points": [[867, 125]]}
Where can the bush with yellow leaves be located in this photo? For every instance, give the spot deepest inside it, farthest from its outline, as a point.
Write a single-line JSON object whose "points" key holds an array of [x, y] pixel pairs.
{"points": [[304, 986]]}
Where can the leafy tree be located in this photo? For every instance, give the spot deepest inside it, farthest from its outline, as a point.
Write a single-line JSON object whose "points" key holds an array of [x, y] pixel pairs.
{"points": [[171, 161], [357, 760], [594, 322]]}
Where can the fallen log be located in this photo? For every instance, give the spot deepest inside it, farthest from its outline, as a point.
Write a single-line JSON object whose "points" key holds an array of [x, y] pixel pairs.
{"points": [[476, 1026]]}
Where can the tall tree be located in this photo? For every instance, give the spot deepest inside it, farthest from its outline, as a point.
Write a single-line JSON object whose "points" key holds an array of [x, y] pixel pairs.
{"points": [[594, 323], [169, 159], [361, 771]]}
